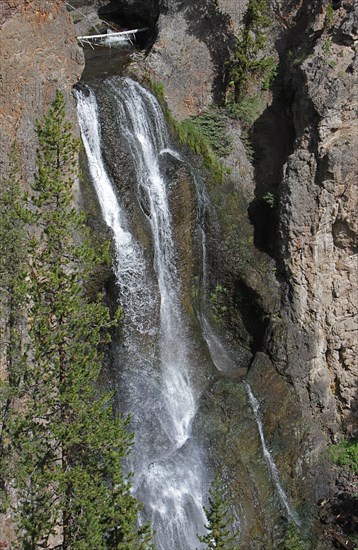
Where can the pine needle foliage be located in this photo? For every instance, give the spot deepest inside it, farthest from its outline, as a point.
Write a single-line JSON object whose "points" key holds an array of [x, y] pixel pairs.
{"points": [[13, 241], [220, 521], [212, 125], [64, 443], [249, 61]]}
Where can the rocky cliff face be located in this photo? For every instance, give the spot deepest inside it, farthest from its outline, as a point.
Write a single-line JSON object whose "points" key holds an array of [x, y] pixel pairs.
{"points": [[193, 45], [39, 55], [318, 228], [315, 342]]}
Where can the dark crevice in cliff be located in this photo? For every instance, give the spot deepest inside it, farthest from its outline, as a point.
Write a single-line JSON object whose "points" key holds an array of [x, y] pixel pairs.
{"points": [[276, 131], [272, 139], [253, 316]]}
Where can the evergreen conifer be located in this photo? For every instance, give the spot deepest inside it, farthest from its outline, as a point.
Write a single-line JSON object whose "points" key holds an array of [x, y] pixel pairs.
{"points": [[219, 526], [249, 60], [64, 441], [13, 239]]}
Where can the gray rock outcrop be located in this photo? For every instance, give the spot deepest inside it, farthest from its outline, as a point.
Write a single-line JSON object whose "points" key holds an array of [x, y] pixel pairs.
{"points": [[39, 55]]}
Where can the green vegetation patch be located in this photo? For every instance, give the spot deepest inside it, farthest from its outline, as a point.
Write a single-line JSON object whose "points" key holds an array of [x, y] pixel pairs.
{"points": [[204, 134], [190, 134], [293, 540], [329, 16], [345, 454], [212, 126], [248, 108], [249, 62]]}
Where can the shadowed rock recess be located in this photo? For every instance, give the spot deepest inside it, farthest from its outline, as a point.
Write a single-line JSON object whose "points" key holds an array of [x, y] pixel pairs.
{"points": [[270, 290]]}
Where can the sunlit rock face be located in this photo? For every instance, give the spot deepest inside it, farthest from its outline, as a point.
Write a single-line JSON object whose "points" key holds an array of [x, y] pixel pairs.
{"points": [[39, 55]]}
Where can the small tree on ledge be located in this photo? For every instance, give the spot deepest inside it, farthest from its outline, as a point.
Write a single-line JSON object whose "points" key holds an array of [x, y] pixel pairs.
{"points": [[220, 534]]}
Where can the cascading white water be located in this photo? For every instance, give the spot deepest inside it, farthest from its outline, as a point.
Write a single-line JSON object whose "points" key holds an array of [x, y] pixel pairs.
{"points": [[129, 266], [268, 456], [169, 475], [142, 123]]}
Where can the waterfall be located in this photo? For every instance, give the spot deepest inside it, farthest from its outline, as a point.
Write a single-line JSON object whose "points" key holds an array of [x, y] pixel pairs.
{"points": [[142, 122], [268, 457], [129, 264], [157, 389]]}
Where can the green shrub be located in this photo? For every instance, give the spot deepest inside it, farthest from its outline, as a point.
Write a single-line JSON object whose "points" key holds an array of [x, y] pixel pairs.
{"points": [[270, 199], [270, 73], [212, 125], [345, 454], [329, 16], [246, 140], [327, 46], [191, 134], [293, 540], [158, 89], [247, 109]]}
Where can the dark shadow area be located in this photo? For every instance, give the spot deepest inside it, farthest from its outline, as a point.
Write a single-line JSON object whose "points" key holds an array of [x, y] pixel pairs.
{"points": [[272, 138], [274, 132], [211, 26], [137, 14], [253, 316], [340, 516]]}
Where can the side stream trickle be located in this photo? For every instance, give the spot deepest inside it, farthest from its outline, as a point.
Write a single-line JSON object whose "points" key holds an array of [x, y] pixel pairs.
{"points": [[224, 362], [269, 458]]}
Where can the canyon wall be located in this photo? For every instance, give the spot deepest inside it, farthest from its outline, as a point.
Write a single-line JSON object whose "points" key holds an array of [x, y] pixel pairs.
{"points": [[303, 367], [289, 272], [39, 54]]}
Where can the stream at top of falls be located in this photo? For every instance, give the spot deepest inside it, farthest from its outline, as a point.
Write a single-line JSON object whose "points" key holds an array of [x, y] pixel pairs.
{"points": [[157, 359], [168, 462]]}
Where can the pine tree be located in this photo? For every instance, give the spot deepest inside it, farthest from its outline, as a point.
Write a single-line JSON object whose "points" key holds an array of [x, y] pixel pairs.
{"points": [[248, 61], [13, 242], [66, 442], [220, 521]]}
